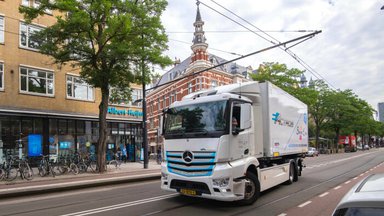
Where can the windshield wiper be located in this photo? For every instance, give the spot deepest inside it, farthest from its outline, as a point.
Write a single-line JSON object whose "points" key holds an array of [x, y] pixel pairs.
{"points": [[198, 131]]}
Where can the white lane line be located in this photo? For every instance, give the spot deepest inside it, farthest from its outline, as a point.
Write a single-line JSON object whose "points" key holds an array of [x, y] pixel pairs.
{"points": [[347, 182], [336, 188], [121, 205], [304, 204], [324, 194], [361, 174], [355, 178], [282, 214]]}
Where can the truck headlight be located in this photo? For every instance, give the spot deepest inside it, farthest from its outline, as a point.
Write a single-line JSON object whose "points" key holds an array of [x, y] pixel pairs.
{"points": [[164, 176], [220, 182]]}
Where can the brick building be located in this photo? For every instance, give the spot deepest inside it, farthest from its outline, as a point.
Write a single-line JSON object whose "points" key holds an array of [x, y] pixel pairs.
{"points": [[165, 92], [47, 109]]}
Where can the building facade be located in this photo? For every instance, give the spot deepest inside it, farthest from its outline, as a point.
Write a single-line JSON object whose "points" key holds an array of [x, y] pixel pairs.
{"points": [[381, 111], [170, 87], [47, 109]]}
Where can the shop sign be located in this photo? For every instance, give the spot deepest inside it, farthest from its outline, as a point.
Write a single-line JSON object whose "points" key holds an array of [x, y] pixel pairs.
{"points": [[124, 112]]}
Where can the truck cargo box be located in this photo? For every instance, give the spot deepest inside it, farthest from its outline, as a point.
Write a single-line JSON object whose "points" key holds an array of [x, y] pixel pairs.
{"points": [[285, 120]]}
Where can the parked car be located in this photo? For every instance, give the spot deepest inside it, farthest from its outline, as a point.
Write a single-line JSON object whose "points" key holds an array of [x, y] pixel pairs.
{"points": [[312, 152], [365, 198]]}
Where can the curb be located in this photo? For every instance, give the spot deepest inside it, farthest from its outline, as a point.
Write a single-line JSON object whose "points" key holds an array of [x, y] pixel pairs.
{"points": [[73, 185]]}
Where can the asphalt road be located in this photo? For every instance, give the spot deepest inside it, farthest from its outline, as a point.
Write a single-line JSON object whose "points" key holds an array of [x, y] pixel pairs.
{"points": [[325, 179]]}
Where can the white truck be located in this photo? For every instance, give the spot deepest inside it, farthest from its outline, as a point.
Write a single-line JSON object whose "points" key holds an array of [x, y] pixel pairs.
{"points": [[232, 142]]}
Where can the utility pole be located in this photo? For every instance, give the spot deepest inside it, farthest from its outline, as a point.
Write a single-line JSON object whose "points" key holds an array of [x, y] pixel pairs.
{"points": [[145, 136]]}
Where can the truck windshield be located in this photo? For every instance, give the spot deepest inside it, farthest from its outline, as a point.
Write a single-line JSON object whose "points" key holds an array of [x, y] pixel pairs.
{"points": [[196, 120]]}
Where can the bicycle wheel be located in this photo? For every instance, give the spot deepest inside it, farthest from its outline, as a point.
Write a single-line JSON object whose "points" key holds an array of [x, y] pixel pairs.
{"points": [[93, 166], [112, 164], [27, 172], [55, 170], [82, 167], [2, 174], [74, 168], [11, 174], [42, 170]]}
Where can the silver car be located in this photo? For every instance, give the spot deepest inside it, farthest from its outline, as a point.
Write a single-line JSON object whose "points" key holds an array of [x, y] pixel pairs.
{"points": [[312, 152], [365, 198]]}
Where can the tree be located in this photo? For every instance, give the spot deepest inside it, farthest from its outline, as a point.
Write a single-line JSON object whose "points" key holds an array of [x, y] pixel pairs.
{"points": [[278, 74], [113, 42]]}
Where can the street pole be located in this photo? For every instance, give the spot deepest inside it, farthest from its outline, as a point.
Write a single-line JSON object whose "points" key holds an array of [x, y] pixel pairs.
{"points": [[145, 143]]}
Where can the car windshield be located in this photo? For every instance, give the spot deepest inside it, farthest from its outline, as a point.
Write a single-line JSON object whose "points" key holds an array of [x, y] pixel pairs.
{"points": [[196, 120], [360, 212]]}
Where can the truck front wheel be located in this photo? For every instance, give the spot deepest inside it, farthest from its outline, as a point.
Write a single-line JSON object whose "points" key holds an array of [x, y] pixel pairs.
{"points": [[251, 189]]}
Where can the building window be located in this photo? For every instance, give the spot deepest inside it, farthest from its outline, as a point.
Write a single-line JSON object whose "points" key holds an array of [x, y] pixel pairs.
{"points": [[2, 29], [137, 95], [164, 102], [25, 3], [1, 76], [26, 31], [36, 81], [190, 90], [213, 83], [158, 104], [79, 89]]}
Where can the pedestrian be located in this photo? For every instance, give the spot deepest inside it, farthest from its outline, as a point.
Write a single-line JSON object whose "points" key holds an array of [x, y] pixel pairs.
{"points": [[118, 153], [124, 153]]}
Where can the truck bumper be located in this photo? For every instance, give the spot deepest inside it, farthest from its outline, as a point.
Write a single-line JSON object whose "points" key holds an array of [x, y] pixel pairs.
{"points": [[218, 186]]}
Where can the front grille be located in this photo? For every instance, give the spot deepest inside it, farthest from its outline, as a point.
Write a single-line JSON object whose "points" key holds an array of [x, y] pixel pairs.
{"points": [[202, 163], [199, 187]]}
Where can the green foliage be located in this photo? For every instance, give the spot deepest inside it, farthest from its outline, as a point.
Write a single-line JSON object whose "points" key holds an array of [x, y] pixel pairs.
{"points": [[113, 42], [330, 111]]}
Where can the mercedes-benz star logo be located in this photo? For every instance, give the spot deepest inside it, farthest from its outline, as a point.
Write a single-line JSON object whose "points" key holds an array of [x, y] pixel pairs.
{"points": [[188, 156]]}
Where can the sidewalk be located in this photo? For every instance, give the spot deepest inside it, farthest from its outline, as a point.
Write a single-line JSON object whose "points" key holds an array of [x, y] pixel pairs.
{"points": [[128, 172]]}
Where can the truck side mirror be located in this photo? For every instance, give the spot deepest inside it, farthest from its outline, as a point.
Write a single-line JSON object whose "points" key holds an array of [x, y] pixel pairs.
{"points": [[246, 116]]}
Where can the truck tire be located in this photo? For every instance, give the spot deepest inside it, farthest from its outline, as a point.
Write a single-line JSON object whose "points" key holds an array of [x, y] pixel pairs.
{"points": [[292, 174], [251, 189]]}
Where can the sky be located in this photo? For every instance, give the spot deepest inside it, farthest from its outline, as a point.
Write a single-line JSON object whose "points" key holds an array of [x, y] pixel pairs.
{"points": [[348, 54]]}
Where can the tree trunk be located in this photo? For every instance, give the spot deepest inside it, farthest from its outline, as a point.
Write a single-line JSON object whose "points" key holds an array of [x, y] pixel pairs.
{"points": [[317, 135], [102, 142], [337, 130]]}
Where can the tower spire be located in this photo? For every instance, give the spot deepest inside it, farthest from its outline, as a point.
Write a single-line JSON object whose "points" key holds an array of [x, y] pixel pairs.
{"points": [[199, 46]]}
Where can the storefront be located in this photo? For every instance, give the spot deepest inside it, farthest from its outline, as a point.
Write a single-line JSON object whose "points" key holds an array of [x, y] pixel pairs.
{"points": [[33, 135]]}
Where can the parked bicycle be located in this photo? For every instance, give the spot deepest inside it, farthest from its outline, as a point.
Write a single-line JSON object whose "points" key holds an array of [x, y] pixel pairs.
{"points": [[47, 167], [10, 169], [66, 165], [115, 163], [24, 169]]}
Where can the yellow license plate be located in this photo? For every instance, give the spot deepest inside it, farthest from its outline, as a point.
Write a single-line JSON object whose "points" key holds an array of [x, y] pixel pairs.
{"points": [[188, 192]]}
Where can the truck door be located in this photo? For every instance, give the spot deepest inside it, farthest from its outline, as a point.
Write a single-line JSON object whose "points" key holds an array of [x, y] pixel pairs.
{"points": [[241, 117]]}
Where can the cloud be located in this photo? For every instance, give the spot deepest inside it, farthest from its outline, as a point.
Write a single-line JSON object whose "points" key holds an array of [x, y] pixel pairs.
{"points": [[349, 53]]}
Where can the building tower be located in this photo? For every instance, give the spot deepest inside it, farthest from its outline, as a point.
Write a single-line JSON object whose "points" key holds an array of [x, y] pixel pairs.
{"points": [[303, 81], [199, 47]]}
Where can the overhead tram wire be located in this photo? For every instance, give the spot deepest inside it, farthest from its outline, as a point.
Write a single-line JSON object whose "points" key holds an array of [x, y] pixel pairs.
{"points": [[289, 52], [236, 59]]}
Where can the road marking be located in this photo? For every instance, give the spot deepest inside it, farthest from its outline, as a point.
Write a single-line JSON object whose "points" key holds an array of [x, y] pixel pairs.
{"points": [[121, 205], [282, 214], [347, 182], [338, 187], [355, 178], [361, 174], [304, 204], [324, 194]]}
